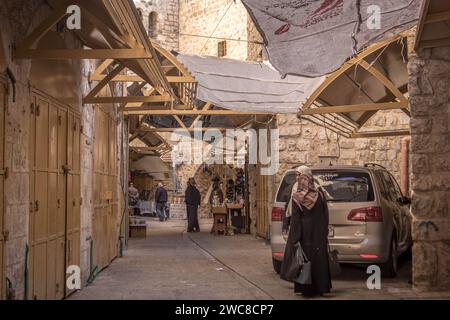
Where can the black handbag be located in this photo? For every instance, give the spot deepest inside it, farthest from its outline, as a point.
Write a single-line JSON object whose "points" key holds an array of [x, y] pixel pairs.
{"points": [[300, 268], [335, 267]]}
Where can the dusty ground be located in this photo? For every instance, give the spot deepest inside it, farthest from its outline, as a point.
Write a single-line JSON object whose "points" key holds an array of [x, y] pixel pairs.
{"points": [[171, 264]]}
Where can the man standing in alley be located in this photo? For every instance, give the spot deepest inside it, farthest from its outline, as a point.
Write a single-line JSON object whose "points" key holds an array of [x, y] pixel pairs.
{"points": [[192, 199], [161, 201]]}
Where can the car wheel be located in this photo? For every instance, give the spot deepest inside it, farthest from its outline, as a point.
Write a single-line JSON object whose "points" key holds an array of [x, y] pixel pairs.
{"points": [[390, 268], [276, 265]]}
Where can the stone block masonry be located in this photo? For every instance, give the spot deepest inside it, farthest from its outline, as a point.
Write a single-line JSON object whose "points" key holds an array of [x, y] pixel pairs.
{"points": [[166, 24], [429, 89], [213, 18], [302, 143]]}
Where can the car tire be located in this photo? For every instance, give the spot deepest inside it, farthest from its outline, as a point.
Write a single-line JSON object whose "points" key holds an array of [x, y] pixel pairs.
{"points": [[390, 268], [276, 265]]}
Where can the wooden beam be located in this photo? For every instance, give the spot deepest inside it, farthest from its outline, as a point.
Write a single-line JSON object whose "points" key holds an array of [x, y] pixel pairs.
{"points": [[143, 149], [107, 100], [426, 44], [382, 133], [135, 78], [383, 79], [187, 129], [420, 26], [42, 29], [102, 67], [346, 66], [181, 123], [172, 112], [104, 82], [355, 108], [62, 54], [437, 17], [207, 106]]}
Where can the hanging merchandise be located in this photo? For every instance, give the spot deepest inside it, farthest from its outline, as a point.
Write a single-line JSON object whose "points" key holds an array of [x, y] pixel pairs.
{"points": [[230, 191], [216, 196], [240, 183]]}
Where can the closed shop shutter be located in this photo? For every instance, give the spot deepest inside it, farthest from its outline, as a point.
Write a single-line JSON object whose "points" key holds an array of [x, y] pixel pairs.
{"points": [[105, 219], [54, 196]]}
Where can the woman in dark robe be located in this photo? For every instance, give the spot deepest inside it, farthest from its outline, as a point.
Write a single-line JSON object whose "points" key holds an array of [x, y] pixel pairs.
{"points": [[307, 215]]}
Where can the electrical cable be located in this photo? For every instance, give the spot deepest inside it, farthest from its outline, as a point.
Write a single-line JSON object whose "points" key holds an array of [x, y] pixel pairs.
{"points": [[217, 25]]}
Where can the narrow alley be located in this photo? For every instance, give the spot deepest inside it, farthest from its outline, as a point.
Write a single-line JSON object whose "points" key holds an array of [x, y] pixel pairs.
{"points": [[172, 264], [224, 150]]}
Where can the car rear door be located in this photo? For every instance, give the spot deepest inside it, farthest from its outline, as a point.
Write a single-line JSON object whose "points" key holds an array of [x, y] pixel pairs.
{"points": [[404, 215], [393, 204], [341, 229]]}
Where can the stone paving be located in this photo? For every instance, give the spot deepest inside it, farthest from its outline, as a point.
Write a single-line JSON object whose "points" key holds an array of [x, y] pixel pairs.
{"points": [[172, 264]]}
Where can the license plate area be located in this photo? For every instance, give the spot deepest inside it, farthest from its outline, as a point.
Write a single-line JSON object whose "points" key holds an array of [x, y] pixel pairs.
{"points": [[330, 231]]}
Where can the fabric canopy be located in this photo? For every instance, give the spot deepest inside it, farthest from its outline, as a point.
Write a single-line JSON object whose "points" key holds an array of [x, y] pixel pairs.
{"points": [[248, 86], [315, 37]]}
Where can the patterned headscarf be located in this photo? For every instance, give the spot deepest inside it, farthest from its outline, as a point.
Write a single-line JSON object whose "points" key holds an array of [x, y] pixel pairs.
{"points": [[307, 193]]}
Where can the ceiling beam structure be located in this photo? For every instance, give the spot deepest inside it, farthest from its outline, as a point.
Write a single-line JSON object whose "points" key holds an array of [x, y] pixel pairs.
{"points": [[173, 112], [125, 43], [316, 110]]}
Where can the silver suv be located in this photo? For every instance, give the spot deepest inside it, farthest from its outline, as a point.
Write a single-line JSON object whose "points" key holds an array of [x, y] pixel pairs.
{"points": [[370, 221]]}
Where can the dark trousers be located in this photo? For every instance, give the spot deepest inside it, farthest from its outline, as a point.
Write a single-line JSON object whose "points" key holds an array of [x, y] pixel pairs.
{"points": [[192, 216], [161, 211]]}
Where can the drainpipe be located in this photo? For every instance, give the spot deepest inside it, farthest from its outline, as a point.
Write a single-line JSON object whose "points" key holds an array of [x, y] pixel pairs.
{"points": [[404, 179]]}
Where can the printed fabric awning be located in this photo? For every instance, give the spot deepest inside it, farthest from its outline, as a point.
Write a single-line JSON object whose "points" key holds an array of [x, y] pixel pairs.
{"points": [[248, 86], [315, 37]]}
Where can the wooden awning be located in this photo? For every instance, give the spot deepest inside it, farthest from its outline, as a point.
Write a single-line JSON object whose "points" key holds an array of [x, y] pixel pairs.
{"points": [[434, 25], [112, 31], [376, 79]]}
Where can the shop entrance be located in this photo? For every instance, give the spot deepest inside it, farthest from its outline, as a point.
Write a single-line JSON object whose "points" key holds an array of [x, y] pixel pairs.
{"points": [[54, 196]]}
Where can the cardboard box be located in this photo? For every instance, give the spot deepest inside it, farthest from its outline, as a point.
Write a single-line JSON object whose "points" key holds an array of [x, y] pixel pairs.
{"points": [[138, 231], [178, 211]]}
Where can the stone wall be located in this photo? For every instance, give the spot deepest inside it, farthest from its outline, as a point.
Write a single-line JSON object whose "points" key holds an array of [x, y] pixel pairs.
{"points": [[17, 19], [216, 18], [302, 142], [429, 89], [167, 24]]}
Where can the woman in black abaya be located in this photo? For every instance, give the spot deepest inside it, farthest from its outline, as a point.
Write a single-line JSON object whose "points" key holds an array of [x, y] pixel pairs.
{"points": [[307, 216]]}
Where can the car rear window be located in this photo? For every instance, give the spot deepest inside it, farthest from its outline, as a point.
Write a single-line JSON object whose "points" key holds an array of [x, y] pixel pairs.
{"points": [[340, 186], [346, 186], [284, 193]]}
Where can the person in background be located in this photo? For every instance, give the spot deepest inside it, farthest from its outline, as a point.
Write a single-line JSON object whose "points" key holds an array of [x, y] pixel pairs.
{"points": [[193, 200], [307, 216], [161, 201], [133, 198]]}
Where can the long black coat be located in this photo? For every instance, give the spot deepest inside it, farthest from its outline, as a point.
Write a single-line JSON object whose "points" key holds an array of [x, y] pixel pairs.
{"points": [[310, 228], [192, 196]]}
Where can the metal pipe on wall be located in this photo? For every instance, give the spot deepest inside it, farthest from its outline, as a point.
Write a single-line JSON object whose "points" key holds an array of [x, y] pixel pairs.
{"points": [[404, 170]]}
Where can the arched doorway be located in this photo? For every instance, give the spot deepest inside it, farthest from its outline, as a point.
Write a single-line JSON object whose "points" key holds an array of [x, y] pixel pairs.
{"points": [[153, 24]]}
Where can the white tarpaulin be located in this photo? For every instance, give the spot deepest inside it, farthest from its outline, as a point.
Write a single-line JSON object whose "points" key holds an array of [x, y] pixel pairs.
{"points": [[315, 37], [248, 86]]}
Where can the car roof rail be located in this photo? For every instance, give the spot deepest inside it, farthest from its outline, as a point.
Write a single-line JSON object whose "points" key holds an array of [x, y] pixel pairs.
{"points": [[367, 165]]}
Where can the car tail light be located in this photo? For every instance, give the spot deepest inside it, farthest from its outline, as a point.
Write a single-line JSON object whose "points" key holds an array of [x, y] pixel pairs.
{"points": [[278, 254], [277, 214], [371, 214], [369, 256]]}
